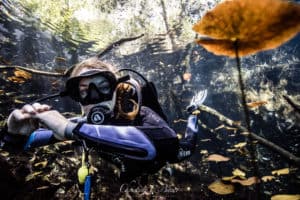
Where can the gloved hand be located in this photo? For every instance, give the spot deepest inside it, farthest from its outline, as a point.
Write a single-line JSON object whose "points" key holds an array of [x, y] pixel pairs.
{"points": [[55, 121], [22, 121]]}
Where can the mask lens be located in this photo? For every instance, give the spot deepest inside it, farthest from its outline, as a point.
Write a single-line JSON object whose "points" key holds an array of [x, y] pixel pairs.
{"points": [[96, 89]]}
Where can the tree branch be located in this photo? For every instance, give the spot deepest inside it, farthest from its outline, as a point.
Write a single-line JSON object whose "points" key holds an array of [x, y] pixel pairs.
{"points": [[261, 140]]}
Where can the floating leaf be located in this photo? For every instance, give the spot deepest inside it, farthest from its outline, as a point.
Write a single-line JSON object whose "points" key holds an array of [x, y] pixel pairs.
{"points": [[286, 197], [217, 158], [246, 182], [221, 188], [243, 21], [267, 178], [256, 104], [239, 173], [281, 171], [240, 145]]}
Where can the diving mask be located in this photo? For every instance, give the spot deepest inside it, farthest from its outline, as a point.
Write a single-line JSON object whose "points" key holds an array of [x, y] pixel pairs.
{"points": [[92, 87]]}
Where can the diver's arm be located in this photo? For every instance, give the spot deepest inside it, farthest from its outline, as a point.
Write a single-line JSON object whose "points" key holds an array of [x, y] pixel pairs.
{"points": [[127, 141]]}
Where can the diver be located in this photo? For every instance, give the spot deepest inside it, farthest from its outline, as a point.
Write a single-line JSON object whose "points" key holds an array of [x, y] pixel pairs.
{"points": [[115, 121]]}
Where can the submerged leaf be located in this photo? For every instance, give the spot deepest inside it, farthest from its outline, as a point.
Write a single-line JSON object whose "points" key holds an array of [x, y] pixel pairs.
{"points": [[286, 197], [256, 104], [240, 145], [267, 178], [221, 188], [228, 178], [187, 76], [42, 164], [22, 74], [204, 151], [281, 171], [239, 173], [217, 158], [32, 176], [246, 182]]}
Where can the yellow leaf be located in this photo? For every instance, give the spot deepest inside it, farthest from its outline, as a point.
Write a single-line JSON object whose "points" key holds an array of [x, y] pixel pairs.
{"points": [[203, 152], [22, 74], [221, 188], [246, 182], [240, 145], [231, 150], [228, 178], [4, 153], [281, 171], [19, 101], [41, 164], [32, 176], [179, 136], [267, 178], [217, 158], [239, 173], [286, 197]]}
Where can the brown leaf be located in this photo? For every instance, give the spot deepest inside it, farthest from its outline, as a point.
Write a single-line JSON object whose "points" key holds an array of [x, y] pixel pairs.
{"points": [[221, 188], [267, 178], [22, 74], [16, 79], [246, 182], [286, 197], [187, 76], [250, 23], [217, 158], [256, 104], [1, 92], [281, 171]]}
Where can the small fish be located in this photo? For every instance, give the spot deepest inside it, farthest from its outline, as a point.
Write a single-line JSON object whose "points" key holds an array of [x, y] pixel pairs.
{"points": [[256, 104]]}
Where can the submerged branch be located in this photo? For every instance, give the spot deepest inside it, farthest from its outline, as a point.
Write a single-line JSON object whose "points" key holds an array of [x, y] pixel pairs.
{"points": [[117, 43], [34, 71], [261, 140]]}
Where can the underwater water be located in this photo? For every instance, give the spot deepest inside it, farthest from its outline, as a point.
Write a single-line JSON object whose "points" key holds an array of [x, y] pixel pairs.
{"points": [[53, 36]]}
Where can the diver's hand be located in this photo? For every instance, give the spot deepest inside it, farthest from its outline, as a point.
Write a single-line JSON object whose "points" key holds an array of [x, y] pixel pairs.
{"points": [[22, 121], [55, 121]]}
